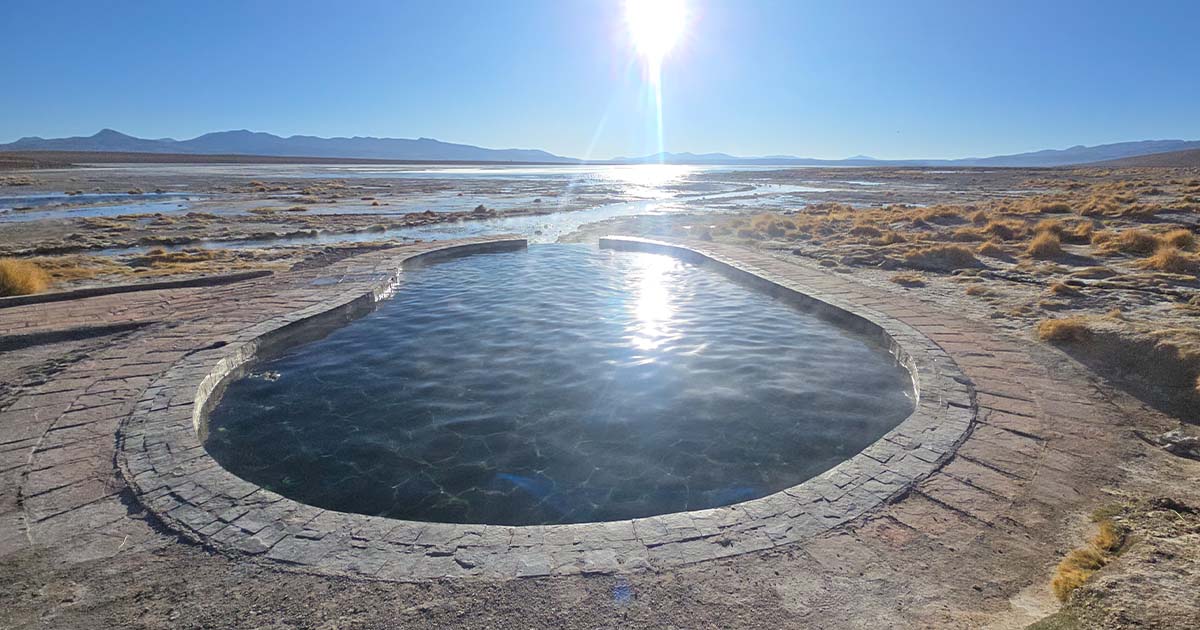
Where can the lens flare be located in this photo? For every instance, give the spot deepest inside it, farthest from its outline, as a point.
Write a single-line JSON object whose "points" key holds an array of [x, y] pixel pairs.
{"points": [[655, 26]]}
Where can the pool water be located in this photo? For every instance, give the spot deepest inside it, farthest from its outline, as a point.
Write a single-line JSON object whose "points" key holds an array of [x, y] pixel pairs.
{"points": [[559, 384]]}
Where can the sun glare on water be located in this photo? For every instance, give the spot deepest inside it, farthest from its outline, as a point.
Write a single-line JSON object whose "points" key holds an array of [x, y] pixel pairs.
{"points": [[655, 26]]}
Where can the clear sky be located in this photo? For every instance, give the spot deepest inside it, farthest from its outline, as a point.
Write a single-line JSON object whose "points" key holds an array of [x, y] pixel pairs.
{"points": [[886, 78]]}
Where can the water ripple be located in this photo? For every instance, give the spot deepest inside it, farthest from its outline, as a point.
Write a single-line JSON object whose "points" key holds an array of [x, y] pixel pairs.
{"points": [[561, 384]]}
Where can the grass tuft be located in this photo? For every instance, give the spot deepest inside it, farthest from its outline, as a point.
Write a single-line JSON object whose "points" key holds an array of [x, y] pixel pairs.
{"points": [[1109, 538], [1169, 259], [866, 230], [1135, 241], [1045, 246], [1081, 563], [979, 290], [941, 257], [889, 237], [1003, 230], [908, 279], [1062, 288], [21, 277], [1065, 330], [991, 249], [1181, 238]]}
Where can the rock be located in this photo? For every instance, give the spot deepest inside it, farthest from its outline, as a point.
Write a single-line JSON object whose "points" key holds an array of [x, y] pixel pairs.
{"points": [[1179, 443]]}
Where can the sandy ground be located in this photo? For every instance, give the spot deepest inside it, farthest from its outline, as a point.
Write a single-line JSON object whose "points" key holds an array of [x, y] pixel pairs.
{"points": [[1144, 355]]}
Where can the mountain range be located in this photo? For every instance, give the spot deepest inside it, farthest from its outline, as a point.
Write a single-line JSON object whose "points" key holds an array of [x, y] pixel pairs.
{"points": [[243, 142]]}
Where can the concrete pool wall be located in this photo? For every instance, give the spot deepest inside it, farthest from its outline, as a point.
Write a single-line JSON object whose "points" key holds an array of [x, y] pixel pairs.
{"points": [[161, 453]]}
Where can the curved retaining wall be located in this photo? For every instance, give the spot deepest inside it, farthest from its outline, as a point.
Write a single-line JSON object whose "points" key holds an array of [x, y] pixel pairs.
{"points": [[161, 454]]}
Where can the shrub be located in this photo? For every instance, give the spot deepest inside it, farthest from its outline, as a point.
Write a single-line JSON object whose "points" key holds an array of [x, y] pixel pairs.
{"points": [[941, 257], [1046, 246], [1066, 330], [21, 277]]}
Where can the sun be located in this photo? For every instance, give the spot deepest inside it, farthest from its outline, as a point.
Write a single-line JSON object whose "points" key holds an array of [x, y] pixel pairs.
{"points": [[655, 26]]}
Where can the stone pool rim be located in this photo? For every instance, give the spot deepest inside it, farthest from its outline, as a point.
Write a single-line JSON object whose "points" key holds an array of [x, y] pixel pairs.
{"points": [[162, 456]]}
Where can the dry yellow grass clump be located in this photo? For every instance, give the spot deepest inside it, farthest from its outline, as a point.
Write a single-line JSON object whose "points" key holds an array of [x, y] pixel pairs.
{"points": [[21, 277], [73, 267], [908, 279], [1079, 232], [159, 256], [1004, 230], [1081, 563], [1067, 329], [1169, 259], [1062, 288], [771, 224], [889, 237], [941, 257], [990, 249], [866, 230], [1045, 246], [1181, 238], [978, 290], [1134, 241]]}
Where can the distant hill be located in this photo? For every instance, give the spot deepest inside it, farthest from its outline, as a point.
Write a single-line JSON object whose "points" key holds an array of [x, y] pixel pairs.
{"points": [[1174, 159], [1048, 157], [1085, 155], [250, 143], [264, 144], [14, 160]]}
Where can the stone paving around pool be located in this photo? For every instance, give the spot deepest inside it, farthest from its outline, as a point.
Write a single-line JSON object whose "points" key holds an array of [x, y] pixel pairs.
{"points": [[987, 454]]}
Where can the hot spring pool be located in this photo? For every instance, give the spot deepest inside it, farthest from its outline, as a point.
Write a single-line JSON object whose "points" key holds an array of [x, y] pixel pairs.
{"points": [[559, 384]]}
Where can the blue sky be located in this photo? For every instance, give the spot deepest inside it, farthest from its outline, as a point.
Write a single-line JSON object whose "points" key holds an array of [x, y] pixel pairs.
{"points": [[817, 79]]}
